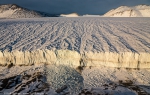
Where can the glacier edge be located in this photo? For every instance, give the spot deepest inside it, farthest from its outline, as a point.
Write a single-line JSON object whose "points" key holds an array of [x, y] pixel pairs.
{"points": [[74, 59]]}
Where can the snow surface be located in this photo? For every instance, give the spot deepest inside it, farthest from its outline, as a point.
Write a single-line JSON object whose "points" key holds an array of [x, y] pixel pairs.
{"points": [[80, 34], [125, 11], [87, 15]]}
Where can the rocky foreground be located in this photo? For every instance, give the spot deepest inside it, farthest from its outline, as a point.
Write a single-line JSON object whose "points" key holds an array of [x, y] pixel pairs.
{"points": [[61, 80]]}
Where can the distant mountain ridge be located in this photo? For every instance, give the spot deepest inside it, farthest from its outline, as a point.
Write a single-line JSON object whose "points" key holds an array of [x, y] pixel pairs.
{"points": [[125, 11], [70, 15], [15, 11]]}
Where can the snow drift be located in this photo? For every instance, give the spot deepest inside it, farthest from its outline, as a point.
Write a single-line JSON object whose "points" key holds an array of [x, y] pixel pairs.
{"points": [[125, 11], [114, 42], [15, 11]]}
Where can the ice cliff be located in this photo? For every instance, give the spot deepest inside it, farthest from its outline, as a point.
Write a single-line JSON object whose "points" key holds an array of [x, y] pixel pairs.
{"points": [[73, 58]]}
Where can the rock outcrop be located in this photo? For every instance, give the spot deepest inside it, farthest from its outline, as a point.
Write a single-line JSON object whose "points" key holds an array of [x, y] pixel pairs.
{"points": [[15, 11]]}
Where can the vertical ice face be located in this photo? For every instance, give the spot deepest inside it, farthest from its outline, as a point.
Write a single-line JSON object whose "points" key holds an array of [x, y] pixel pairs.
{"points": [[74, 59]]}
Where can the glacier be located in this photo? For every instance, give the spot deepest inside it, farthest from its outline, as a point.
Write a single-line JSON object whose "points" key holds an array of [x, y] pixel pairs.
{"points": [[77, 55], [90, 41]]}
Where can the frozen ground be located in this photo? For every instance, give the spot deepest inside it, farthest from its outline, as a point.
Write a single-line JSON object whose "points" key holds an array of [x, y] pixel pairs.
{"points": [[92, 55], [62, 80]]}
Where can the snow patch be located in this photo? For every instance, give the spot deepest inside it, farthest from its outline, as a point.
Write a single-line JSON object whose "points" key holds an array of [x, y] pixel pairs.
{"points": [[69, 15], [125, 11]]}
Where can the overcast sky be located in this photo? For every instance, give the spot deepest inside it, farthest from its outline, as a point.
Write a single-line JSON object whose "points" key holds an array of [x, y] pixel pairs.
{"points": [[78, 6]]}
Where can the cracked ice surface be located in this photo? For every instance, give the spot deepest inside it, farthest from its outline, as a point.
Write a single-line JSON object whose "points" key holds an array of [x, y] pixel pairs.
{"points": [[115, 42], [79, 34]]}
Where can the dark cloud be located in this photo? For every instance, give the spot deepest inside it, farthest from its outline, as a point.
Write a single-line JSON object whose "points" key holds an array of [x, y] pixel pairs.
{"points": [[79, 6]]}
